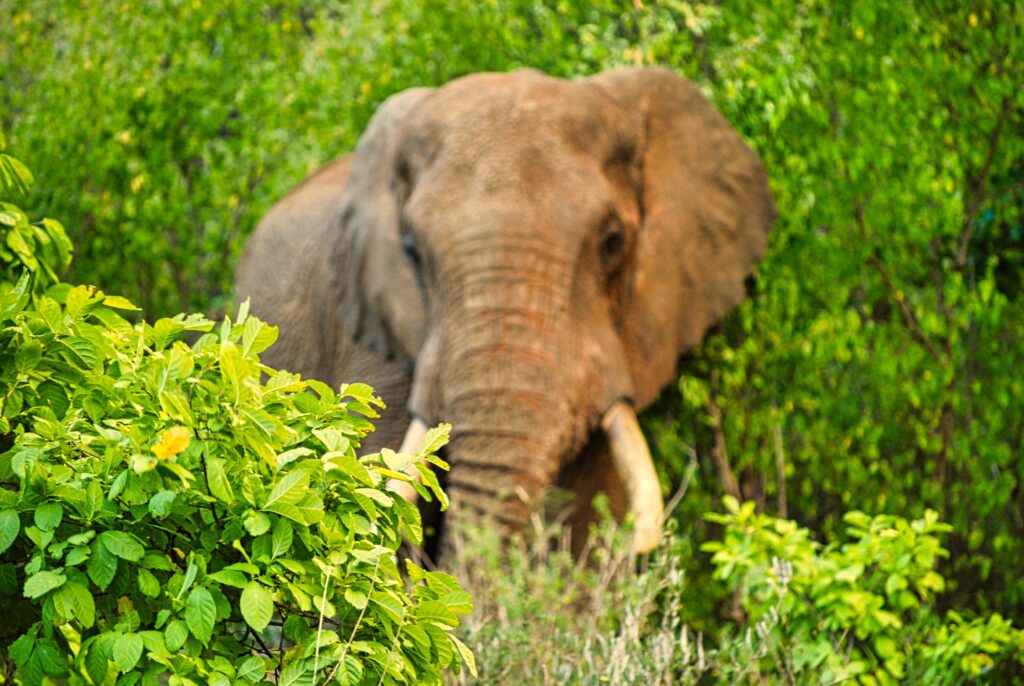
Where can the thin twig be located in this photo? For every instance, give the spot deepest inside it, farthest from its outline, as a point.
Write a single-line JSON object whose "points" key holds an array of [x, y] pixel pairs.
{"points": [[718, 451], [355, 627], [780, 471], [909, 318], [320, 626]]}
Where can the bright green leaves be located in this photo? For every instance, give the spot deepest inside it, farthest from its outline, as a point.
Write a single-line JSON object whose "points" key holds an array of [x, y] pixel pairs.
{"points": [[200, 614], [878, 587], [126, 651], [257, 606], [47, 516], [74, 601], [218, 482], [41, 583], [176, 634], [290, 498], [122, 545], [161, 505]]}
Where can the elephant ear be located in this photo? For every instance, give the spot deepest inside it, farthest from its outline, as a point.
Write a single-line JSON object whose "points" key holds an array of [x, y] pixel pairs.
{"points": [[706, 210], [379, 310]]}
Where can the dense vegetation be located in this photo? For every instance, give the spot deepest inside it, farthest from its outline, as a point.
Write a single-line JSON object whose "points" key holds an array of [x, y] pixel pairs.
{"points": [[877, 365], [168, 517]]}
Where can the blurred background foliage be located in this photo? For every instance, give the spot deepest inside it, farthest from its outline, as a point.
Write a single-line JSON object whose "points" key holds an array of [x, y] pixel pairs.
{"points": [[877, 365]]}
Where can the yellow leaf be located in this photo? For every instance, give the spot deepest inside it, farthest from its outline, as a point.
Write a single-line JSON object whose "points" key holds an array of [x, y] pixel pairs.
{"points": [[172, 442]]}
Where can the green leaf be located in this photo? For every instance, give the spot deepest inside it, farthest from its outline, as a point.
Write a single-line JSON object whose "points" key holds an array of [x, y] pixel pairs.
{"points": [[375, 495], [14, 300], [229, 577], [257, 336], [281, 540], [9, 527], [251, 669], [436, 613], [76, 556], [79, 600], [458, 602], [165, 331], [256, 523], [149, 586], [465, 653], [96, 662], [288, 490], [41, 583], [126, 651], [123, 545], [257, 605], [307, 511], [102, 564], [200, 614], [175, 635], [28, 355], [48, 516], [295, 674], [119, 303], [436, 438], [220, 486], [161, 502]]}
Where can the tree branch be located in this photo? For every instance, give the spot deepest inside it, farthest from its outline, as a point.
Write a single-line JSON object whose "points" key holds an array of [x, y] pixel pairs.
{"points": [[718, 452], [977, 193]]}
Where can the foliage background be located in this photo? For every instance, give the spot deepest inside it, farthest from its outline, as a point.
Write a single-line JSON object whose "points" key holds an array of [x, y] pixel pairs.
{"points": [[878, 364]]}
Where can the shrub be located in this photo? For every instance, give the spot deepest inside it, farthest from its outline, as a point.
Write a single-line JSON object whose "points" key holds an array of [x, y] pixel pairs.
{"points": [[183, 510], [861, 611]]}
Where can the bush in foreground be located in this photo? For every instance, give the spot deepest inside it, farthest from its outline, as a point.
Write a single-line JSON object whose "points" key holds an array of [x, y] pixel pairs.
{"points": [[165, 511], [859, 612]]}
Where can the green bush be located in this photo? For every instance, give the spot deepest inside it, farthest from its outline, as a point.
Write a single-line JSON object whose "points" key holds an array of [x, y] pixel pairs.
{"points": [[862, 611], [876, 366], [165, 511], [859, 612]]}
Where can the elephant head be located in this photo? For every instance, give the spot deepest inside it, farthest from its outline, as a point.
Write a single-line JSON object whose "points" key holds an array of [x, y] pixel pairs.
{"points": [[527, 258]]}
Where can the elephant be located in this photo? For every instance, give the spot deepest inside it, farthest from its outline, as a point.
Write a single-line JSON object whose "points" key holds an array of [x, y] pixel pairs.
{"points": [[527, 258]]}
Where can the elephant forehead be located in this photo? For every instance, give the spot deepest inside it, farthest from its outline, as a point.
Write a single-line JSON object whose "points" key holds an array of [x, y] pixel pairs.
{"points": [[501, 117]]}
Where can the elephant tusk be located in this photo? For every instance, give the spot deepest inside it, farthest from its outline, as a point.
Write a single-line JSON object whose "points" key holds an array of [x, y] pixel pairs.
{"points": [[632, 459], [412, 442]]}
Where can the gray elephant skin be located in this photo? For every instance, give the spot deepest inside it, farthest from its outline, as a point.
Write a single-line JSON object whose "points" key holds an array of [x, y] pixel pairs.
{"points": [[527, 258]]}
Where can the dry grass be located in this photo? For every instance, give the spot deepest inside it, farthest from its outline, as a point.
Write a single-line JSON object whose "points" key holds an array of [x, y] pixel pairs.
{"points": [[544, 616]]}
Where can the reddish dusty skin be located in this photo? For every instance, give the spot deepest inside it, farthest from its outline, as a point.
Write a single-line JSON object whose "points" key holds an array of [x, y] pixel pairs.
{"points": [[516, 254]]}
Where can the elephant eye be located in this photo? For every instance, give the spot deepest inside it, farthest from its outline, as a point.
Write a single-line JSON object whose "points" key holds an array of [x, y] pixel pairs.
{"points": [[410, 250], [613, 241]]}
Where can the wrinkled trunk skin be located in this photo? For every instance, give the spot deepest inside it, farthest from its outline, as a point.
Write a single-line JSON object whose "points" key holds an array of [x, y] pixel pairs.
{"points": [[511, 385]]}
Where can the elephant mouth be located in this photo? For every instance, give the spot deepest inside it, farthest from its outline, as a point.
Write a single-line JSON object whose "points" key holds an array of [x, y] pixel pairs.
{"points": [[618, 439]]}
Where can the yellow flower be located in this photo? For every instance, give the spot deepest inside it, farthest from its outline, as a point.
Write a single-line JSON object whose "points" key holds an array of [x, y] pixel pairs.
{"points": [[972, 19], [859, 33], [171, 442]]}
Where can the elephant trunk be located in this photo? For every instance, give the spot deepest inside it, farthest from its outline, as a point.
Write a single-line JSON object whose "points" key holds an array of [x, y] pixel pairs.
{"points": [[512, 385]]}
